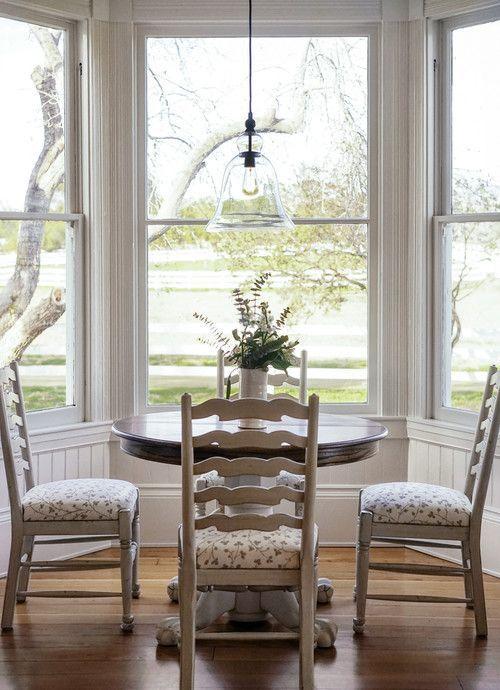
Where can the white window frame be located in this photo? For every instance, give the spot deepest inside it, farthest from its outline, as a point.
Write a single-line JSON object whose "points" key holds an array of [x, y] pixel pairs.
{"points": [[443, 210], [272, 29], [75, 320]]}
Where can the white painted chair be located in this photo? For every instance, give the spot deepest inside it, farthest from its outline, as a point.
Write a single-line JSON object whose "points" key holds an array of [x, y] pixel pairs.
{"points": [[80, 510], [274, 550], [414, 514], [275, 380]]}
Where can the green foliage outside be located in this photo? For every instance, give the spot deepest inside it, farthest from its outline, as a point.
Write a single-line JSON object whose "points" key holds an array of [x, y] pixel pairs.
{"points": [[54, 236]]}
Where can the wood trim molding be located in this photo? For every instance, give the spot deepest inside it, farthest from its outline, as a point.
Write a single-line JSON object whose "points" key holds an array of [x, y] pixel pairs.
{"points": [[70, 9], [419, 274], [440, 433], [441, 9], [394, 217], [112, 214], [228, 10]]}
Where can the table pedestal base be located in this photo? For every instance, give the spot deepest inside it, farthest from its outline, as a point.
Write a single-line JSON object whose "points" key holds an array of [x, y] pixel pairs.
{"points": [[325, 592], [246, 607]]}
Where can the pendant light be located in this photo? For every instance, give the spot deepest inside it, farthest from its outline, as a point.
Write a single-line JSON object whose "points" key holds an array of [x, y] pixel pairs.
{"points": [[250, 197]]}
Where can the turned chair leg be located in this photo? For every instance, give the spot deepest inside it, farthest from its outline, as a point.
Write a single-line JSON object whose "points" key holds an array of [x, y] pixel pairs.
{"points": [[136, 538], [9, 601], [469, 594], [478, 589], [187, 600], [362, 567], [24, 574], [307, 608], [127, 551]]}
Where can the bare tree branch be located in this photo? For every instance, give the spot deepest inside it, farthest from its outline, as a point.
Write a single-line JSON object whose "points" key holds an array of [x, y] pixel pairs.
{"points": [[35, 320], [46, 175]]}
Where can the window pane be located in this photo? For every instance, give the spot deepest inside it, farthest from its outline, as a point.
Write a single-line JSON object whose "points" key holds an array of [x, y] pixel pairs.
{"points": [[322, 276], [37, 308], [310, 97], [472, 296], [475, 112], [31, 117]]}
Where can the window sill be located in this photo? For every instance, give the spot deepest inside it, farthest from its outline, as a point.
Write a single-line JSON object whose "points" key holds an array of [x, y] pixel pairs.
{"points": [[434, 430], [71, 434]]}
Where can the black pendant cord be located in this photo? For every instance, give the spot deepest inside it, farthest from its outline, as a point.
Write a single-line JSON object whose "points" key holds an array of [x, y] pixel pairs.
{"points": [[250, 122]]}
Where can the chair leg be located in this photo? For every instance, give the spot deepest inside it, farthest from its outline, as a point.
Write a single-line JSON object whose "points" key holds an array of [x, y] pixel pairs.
{"points": [[127, 551], [308, 590], [467, 576], [136, 538], [9, 601], [478, 588], [24, 574], [187, 600], [362, 563]]}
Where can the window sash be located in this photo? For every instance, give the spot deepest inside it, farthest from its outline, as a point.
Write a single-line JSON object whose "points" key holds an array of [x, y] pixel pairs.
{"points": [[75, 356], [443, 206], [444, 112], [71, 414], [206, 29], [442, 332]]}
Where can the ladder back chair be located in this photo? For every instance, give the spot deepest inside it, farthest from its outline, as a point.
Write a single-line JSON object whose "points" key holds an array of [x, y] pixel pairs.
{"points": [[275, 380], [414, 514], [268, 551], [76, 510]]}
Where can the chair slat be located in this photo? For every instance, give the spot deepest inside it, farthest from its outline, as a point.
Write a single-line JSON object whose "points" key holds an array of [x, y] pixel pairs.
{"points": [[272, 410], [248, 465], [280, 396], [249, 439], [262, 523], [280, 379], [249, 494]]}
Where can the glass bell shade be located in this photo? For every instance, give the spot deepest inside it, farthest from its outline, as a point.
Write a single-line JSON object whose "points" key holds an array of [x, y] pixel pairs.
{"points": [[250, 197]]}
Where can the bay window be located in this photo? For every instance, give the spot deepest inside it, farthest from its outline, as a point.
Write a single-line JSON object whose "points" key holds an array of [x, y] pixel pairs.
{"points": [[467, 227], [314, 103], [40, 234]]}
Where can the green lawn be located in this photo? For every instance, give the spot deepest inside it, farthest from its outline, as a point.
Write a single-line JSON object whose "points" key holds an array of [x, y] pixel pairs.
{"points": [[159, 396], [210, 361], [44, 397]]}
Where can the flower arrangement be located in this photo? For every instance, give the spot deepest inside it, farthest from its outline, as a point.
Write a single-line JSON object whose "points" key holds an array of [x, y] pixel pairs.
{"points": [[258, 343]]}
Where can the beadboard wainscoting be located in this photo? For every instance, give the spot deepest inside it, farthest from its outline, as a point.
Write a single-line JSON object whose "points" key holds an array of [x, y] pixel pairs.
{"points": [[69, 453], [439, 453], [338, 489]]}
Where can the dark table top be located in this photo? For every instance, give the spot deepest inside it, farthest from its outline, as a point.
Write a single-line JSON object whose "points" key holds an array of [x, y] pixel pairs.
{"points": [[157, 436]]}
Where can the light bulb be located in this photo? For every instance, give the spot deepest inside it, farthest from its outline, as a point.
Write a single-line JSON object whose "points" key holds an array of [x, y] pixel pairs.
{"points": [[250, 183]]}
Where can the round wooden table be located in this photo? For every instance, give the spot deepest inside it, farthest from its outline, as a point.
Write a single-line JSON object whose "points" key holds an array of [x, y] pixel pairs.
{"points": [[157, 437]]}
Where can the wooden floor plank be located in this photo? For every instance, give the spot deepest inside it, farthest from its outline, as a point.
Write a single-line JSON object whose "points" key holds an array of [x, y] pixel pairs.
{"points": [[76, 644]]}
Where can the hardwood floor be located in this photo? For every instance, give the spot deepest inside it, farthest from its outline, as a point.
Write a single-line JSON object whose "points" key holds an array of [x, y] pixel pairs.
{"points": [[76, 644]]}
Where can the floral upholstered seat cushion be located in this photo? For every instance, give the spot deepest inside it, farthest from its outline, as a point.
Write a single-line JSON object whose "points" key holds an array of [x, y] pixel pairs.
{"points": [[248, 548], [412, 503], [79, 499]]}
